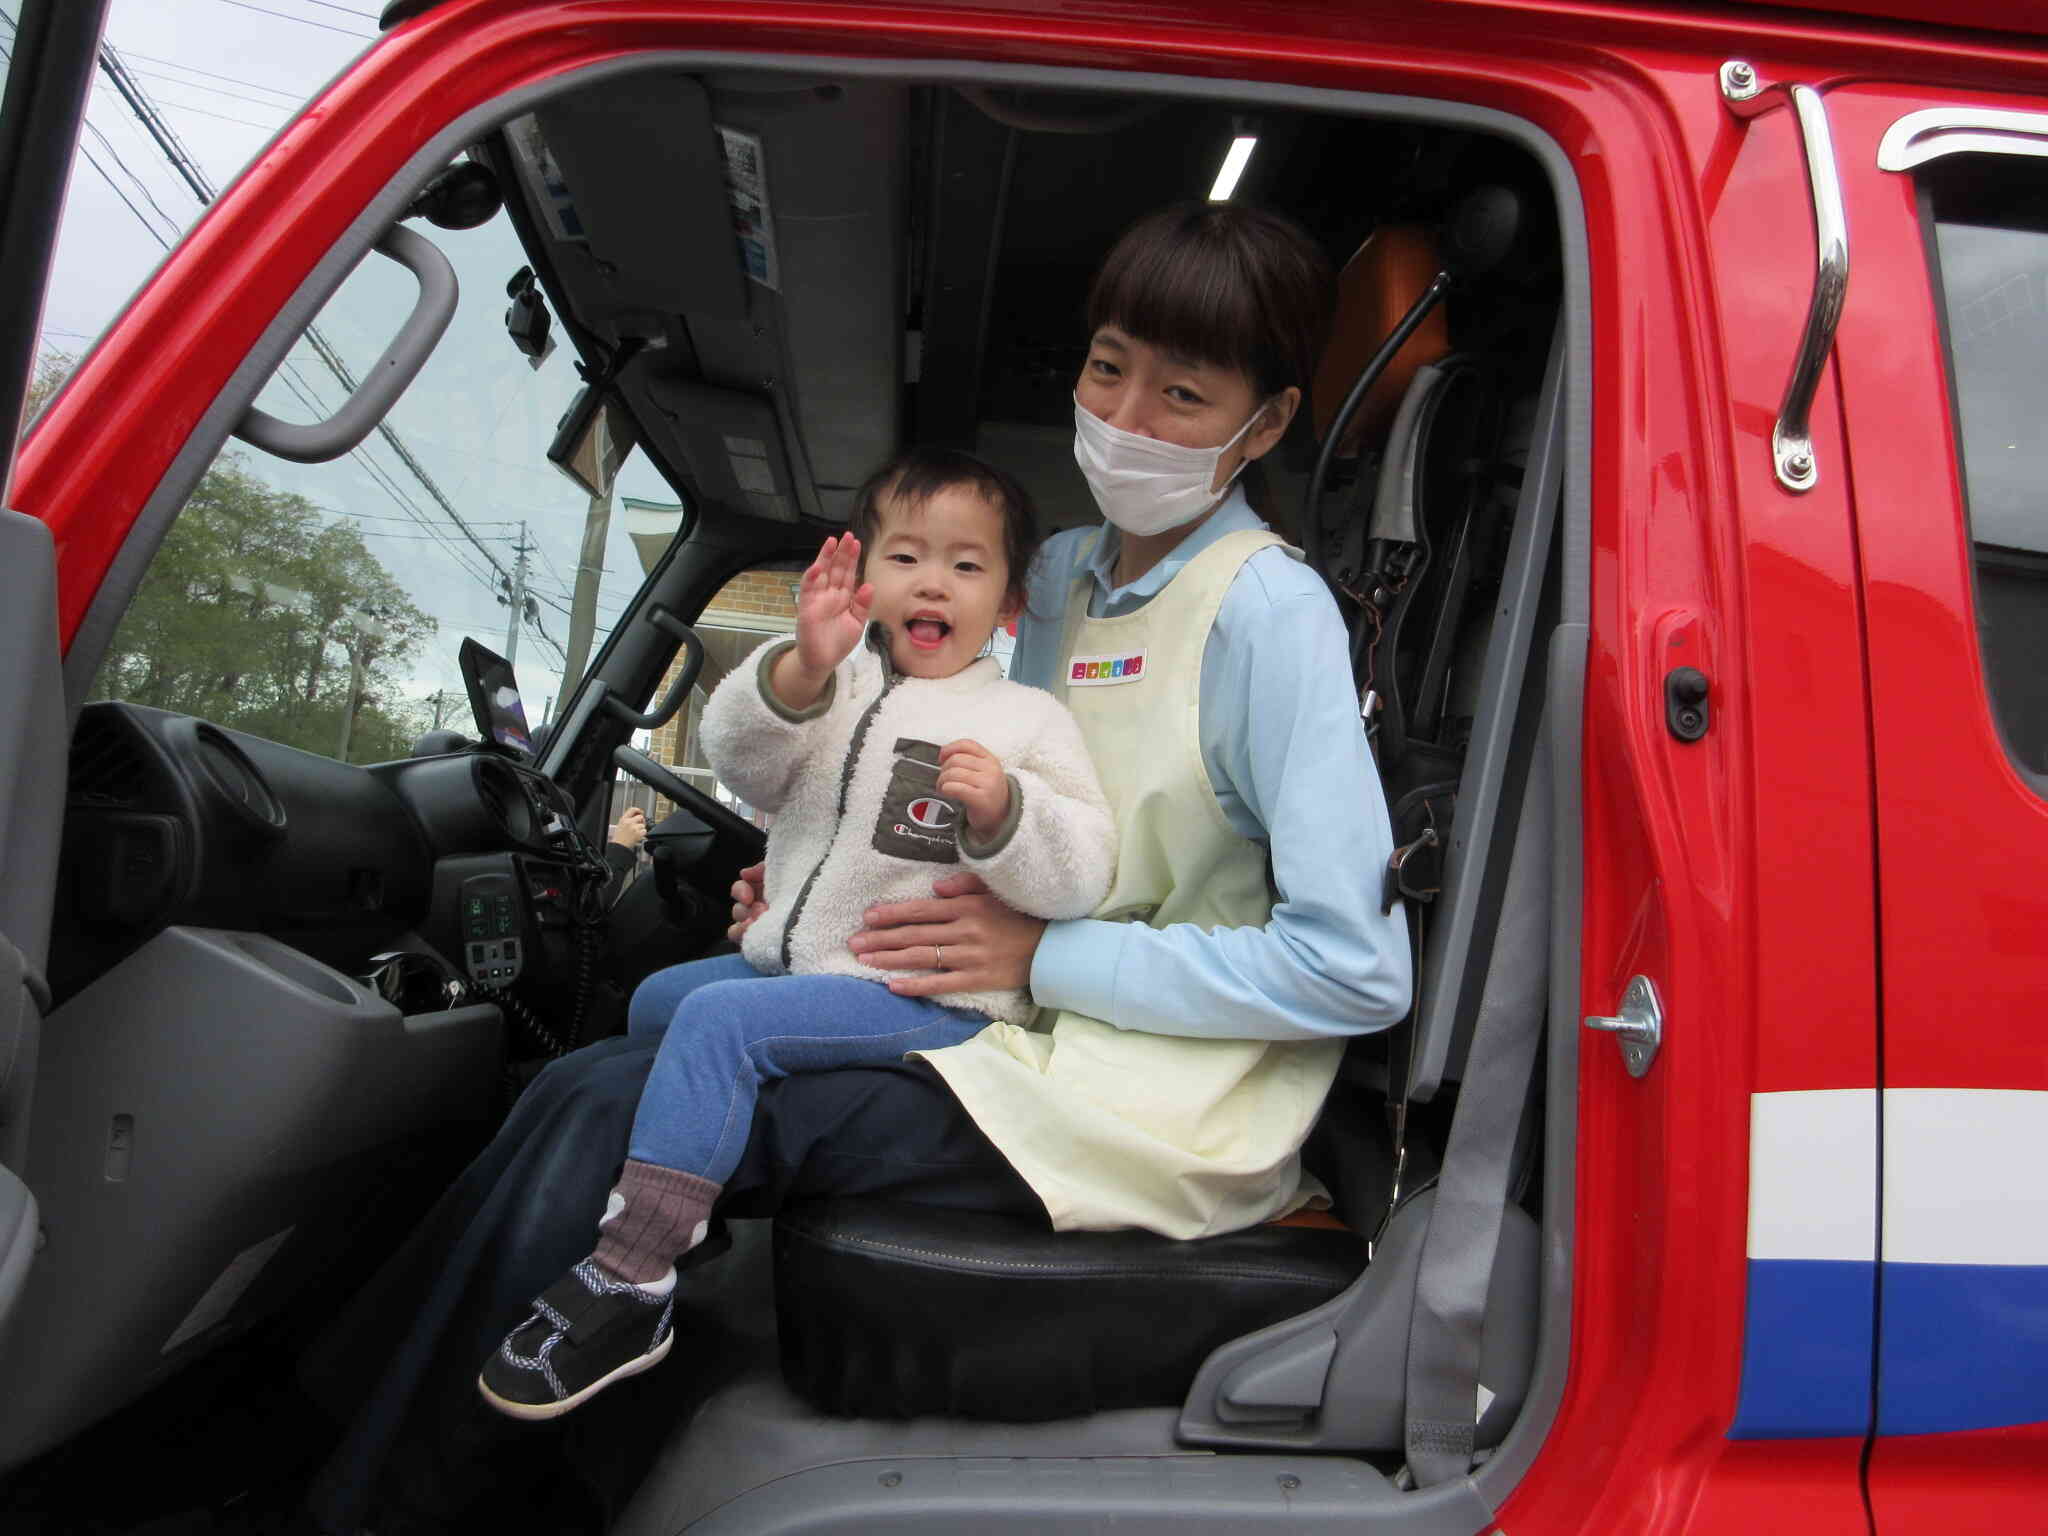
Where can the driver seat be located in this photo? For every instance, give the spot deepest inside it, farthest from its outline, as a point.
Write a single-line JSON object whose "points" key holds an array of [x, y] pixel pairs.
{"points": [[971, 1315]]}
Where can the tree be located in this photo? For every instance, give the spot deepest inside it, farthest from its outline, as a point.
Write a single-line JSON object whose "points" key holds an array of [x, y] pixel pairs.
{"points": [[258, 613], [52, 369], [255, 614]]}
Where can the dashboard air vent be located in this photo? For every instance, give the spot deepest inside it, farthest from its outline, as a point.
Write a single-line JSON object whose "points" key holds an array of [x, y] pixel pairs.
{"points": [[503, 797], [107, 766], [495, 794]]}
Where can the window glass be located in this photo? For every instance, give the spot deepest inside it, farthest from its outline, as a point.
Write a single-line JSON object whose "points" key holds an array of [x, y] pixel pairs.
{"points": [[754, 607], [1990, 230], [322, 605]]}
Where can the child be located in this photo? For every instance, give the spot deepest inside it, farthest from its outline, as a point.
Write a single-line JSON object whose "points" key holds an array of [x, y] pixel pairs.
{"points": [[885, 743]]}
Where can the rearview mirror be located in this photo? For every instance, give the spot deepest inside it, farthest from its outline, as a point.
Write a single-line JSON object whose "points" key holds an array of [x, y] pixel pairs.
{"points": [[592, 441]]}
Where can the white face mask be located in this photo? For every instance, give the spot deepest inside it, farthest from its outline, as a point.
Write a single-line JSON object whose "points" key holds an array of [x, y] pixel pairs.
{"points": [[1145, 486]]}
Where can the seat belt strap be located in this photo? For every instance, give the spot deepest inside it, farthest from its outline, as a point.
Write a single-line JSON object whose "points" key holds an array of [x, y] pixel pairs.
{"points": [[1445, 1328]]}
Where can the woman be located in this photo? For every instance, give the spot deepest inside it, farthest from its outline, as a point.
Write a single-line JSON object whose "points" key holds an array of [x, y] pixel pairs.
{"points": [[1195, 1024]]}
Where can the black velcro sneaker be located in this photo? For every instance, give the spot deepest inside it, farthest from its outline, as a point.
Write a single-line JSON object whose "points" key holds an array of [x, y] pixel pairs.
{"points": [[585, 1332]]}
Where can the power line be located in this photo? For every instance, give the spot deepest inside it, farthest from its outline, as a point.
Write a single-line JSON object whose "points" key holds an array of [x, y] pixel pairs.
{"points": [[304, 21], [381, 533], [419, 472], [166, 138], [140, 185], [501, 522], [292, 98], [379, 477], [221, 117], [346, 10], [200, 85], [548, 561], [139, 214]]}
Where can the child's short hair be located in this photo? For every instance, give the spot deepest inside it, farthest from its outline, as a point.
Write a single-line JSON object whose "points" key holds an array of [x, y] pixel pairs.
{"points": [[916, 475]]}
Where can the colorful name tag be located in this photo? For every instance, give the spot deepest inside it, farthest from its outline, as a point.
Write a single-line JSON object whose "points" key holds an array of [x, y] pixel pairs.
{"points": [[1100, 671]]}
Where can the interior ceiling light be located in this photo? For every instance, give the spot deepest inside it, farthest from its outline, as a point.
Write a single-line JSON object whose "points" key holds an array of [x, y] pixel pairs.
{"points": [[1234, 162]]}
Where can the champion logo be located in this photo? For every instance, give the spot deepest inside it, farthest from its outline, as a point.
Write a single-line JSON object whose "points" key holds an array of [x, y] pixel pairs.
{"points": [[930, 812], [1101, 671]]}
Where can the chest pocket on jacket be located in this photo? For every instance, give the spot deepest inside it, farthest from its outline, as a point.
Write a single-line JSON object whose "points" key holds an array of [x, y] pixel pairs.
{"points": [[914, 822]]}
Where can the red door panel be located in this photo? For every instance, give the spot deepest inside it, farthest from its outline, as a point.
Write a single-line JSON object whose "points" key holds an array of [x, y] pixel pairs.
{"points": [[1962, 831]]}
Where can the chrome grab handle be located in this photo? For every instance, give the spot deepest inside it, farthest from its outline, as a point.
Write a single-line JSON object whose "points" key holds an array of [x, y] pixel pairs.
{"points": [[1747, 97], [1932, 134]]}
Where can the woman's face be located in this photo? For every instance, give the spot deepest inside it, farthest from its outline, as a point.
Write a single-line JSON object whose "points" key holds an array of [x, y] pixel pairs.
{"points": [[1140, 388]]}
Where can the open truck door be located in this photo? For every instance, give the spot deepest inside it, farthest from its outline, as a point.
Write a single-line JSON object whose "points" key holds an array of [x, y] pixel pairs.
{"points": [[49, 70]]}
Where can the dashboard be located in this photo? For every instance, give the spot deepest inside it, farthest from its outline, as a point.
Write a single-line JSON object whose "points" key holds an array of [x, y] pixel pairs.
{"points": [[171, 820]]}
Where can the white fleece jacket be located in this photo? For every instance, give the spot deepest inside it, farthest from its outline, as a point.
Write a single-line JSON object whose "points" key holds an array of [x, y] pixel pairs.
{"points": [[850, 781]]}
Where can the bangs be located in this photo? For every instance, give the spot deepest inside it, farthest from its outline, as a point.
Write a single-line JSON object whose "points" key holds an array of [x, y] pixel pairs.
{"points": [[1220, 284], [911, 479]]}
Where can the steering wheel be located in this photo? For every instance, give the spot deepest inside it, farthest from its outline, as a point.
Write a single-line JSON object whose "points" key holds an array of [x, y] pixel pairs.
{"points": [[735, 834]]}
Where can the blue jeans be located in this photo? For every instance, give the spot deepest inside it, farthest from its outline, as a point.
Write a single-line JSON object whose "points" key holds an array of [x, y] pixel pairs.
{"points": [[725, 1029]]}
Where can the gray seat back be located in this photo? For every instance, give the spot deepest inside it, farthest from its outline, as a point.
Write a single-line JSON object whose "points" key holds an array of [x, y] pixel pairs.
{"points": [[32, 753]]}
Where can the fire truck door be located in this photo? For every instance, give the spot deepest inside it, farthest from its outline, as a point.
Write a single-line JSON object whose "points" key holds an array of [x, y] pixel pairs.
{"points": [[50, 56], [1939, 353]]}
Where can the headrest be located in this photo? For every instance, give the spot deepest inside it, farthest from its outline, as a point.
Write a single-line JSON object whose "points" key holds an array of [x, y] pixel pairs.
{"points": [[1383, 277]]}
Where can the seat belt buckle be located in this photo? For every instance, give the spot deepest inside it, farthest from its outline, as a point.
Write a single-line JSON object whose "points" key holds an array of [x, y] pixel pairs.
{"points": [[1415, 871]]}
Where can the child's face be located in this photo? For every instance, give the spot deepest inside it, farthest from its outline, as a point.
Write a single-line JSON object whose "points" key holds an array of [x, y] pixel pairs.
{"points": [[940, 580]]}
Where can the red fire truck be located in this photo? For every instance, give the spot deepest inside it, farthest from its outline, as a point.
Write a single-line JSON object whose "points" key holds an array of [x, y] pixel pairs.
{"points": [[1683, 421]]}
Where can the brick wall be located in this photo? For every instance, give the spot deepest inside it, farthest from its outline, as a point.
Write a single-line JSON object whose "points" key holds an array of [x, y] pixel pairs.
{"points": [[752, 600], [756, 594]]}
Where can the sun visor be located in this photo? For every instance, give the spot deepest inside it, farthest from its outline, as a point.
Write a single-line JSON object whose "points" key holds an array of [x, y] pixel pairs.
{"points": [[816, 187], [731, 443], [638, 178]]}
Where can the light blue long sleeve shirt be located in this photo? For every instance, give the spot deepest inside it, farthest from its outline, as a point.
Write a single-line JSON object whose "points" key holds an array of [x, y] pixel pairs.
{"points": [[1288, 760]]}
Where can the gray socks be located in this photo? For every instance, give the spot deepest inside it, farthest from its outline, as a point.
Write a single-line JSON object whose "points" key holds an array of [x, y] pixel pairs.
{"points": [[655, 1214]]}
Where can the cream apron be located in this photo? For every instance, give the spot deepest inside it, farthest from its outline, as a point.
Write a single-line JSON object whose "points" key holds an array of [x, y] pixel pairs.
{"points": [[1183, 1135]]}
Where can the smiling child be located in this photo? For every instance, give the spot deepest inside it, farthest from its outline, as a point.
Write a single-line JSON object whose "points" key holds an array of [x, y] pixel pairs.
{"points": [[885, 741]]}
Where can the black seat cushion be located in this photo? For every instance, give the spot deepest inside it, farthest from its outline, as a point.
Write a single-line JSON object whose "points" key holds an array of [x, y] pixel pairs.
{"points": [[891, 1311]]}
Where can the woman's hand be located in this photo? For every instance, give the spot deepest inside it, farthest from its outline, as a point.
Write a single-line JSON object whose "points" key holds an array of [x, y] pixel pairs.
{"points": [[748, 900], [832, 606], [973, 777], [965, 938]]}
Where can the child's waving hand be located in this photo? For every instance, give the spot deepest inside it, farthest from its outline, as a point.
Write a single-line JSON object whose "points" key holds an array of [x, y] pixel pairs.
{"points": [[832, 606]]}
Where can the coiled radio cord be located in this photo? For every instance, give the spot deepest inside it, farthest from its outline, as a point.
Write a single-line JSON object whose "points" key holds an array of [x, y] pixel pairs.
{"points": [[515, 1008]]}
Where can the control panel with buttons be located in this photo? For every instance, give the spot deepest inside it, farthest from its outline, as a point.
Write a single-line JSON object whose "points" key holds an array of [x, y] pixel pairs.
{"points": [[492, 917]]}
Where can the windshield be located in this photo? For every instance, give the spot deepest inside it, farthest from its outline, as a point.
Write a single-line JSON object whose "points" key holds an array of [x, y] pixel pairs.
{"points": [[324, 605]]}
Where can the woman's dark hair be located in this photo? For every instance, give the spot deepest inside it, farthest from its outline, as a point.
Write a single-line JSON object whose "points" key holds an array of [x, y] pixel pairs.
{"points": [[915, 476], [1224, 284]]}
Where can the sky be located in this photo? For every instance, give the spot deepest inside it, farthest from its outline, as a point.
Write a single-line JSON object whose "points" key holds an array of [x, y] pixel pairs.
{"points": [[226, 75]]}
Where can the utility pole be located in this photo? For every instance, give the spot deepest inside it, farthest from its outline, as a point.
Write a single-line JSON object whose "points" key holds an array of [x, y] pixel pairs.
{"points": [[583, 600], [518, 597]]}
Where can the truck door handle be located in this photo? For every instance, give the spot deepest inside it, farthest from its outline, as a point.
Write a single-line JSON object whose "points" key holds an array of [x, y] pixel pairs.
{"points": [[1747, 96]]}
